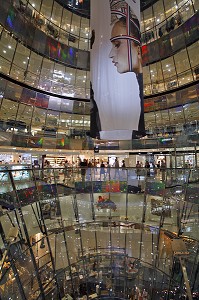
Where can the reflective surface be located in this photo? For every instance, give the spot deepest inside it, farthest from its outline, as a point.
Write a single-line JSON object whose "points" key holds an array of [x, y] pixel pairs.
{"points": [[115, 232]]}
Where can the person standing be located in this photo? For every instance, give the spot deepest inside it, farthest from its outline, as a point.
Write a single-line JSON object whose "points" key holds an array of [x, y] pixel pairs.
{"points": [[117, 171], [66, 165], [163, 169], [147, 166], [124, 171], [102, 170], [138, 169], [83, 166]]}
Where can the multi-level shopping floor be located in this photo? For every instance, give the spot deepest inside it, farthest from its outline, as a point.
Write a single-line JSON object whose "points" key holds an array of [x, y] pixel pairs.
{"points": [[93, 238]]}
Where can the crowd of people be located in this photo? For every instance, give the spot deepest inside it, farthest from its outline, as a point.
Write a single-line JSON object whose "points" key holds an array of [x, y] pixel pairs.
{"points": [[103, 170], [157, 168]]}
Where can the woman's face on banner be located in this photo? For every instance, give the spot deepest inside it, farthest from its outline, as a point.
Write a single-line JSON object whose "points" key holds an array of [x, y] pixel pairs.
{"points": [[119, 51]]}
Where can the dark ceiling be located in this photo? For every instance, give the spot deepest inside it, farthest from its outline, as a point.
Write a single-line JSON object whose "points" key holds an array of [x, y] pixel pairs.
{"points": [[83, 8]]}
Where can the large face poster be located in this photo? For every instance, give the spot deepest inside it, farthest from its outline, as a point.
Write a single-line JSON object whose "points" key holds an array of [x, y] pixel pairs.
{"points": [[116, 70]]}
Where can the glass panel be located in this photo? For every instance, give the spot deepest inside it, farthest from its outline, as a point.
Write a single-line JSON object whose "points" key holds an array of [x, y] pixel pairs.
{"points": [[149, 105], [52, 118], [24, 114], [186, 11], [84, 44], [146, 75], [191, 111], [165, 117], [193, 54], [59, 73], [170, 7], [66, 20], [36, 5], [177, 39], [34, 65], [22, 56], [181, 61], [142, 22], [4, 65], [85, 29], [148, 18], [75, 25], [168, 68], [13, 91], [46, 8], [150, 120], [185, 77], [156, 77], [158, 10], [7, 45], [39, 117], [196, 5], [56, 14], [176, 115], [160, 103], [9, 111]]}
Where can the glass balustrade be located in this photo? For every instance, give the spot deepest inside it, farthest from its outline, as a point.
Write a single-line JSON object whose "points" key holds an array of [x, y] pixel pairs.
{"points": [[83, 232]]}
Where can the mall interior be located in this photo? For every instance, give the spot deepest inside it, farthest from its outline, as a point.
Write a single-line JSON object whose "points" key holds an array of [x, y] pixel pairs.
{"points": [[72, 231]]}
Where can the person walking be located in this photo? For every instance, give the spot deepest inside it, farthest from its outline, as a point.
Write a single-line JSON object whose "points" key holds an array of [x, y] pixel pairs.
{"points": [[117, 171], [102, 170], [147, 166], [83, 166], [138, 169]]}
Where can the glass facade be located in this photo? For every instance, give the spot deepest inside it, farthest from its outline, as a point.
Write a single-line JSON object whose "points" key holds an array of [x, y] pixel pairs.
{"points": [[69, 240], [29, 115], [59, 47], [80, 233]]}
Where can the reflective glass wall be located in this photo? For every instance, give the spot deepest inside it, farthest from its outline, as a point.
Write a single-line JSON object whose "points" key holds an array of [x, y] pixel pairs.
{"points": [[31, 118], [52, 55], [116, 233], [57, 44]]}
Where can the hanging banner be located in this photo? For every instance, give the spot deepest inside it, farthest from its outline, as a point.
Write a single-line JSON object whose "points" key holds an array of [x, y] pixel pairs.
{"points": [[117, 111]]}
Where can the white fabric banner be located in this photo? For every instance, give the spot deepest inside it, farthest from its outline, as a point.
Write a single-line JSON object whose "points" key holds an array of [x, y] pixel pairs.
{"points": [[115, 69]]}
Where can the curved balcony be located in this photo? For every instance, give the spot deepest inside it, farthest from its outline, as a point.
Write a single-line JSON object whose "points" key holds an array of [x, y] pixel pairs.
{"points": [[167, 75], [35, 119], [69, 241]]}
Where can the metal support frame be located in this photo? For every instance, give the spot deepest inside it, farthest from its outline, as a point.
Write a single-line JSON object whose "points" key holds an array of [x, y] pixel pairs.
{"points": [[185, 276]]}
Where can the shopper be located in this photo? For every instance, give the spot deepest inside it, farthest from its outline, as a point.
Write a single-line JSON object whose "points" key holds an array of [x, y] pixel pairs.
{"points": [[124, 171], [138, 169], [163, 169], [83, 166], [48, 170], [89, 170], [102, 170], [66, 165], [117, 171], [147, 166]]}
